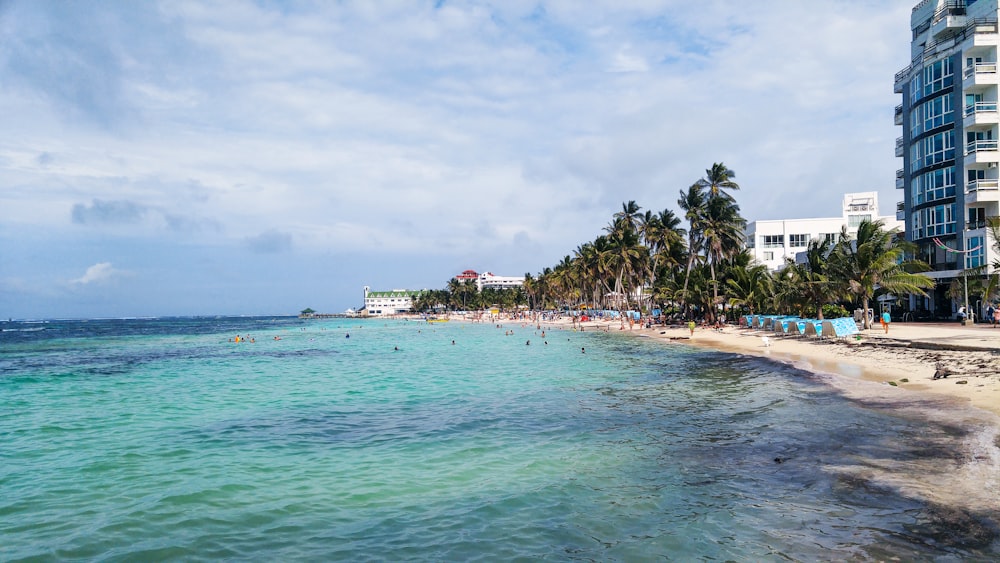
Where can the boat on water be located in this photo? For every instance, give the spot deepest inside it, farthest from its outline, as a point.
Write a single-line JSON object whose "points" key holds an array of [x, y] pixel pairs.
{"points": [[436, 320]]}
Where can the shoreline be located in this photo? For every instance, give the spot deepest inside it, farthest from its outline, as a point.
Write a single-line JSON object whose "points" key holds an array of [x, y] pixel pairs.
{"points": [[959, 471]]}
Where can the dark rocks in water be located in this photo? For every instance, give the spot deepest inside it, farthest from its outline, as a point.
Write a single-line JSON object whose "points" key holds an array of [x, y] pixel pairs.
{"points": [[778, 460], [954, 528]]}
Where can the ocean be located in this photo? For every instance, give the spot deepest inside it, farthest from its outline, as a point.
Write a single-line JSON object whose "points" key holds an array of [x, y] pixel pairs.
{"points": [[375, 440]]}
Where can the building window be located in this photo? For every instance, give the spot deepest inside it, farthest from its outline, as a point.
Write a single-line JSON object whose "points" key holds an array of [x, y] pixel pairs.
{"points": [[939, 220], [768, 256], [939, 148], [938, 112], [937, 76], [854, 220], [774, 241], [798, 240], [830, 237], [974, 259], [915, 88], [935, 185]]}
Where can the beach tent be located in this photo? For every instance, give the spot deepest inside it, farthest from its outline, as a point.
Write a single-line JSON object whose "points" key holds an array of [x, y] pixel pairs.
{"points": [[841, 327]]}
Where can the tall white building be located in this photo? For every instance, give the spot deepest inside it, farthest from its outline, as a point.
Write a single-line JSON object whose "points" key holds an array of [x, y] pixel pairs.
{"points": [[948, 144], [774, 241]]}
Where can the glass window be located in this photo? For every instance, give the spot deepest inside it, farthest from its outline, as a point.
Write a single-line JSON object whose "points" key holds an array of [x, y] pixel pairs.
{"points": [[937, 76], [830, 237], [974, 259], [939, 220], [938, 112], [774, 241], [798, 240], [768, 256], [854, 220], [935, 185], [939, 148]]}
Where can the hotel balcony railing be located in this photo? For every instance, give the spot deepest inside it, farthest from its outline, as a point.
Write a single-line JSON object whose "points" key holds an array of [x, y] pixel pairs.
{"points": [[899, 147], [980, 107], [898, 115], [982, 186], [980, 146], [979, 68], [975, 225]]}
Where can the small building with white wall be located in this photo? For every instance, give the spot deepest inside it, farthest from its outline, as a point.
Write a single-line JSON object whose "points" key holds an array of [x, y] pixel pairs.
{"points": [[773, 241], [387, 303]]}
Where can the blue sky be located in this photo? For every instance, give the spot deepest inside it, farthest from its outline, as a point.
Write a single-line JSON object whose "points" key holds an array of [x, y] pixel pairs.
{"points": [[235, 157]]}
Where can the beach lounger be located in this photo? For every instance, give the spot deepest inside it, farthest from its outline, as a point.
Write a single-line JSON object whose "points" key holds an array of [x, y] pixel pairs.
{"points": [[840, 328]]}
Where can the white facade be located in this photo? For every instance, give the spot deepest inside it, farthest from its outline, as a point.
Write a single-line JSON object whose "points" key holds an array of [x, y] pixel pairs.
{"points": [[487, 279], [773, 241], [387, 303]]}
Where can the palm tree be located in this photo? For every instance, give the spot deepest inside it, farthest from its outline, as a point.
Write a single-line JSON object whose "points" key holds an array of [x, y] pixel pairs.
{"points": [[722, 235], [717, 180], [692, 202], [749, 287], [875, 259], [813, 282]]}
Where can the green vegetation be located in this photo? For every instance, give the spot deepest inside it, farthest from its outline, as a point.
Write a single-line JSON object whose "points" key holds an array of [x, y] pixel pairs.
{"points": [[645, 261]]}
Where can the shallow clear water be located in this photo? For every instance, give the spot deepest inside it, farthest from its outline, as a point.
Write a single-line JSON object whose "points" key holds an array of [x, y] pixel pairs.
{"points": [[161, 439]]}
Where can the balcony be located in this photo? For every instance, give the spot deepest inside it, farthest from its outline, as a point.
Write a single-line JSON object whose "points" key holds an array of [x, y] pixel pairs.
{"points": [[981, 152], [981, 114], [900, 211], [982, 191], [980, 74], [949, 19], [899, 147], [899, 114], [900, 180], [901, 78]]}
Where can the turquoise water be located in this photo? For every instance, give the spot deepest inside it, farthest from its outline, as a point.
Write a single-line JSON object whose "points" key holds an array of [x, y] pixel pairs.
{"points": [[162, 440]]}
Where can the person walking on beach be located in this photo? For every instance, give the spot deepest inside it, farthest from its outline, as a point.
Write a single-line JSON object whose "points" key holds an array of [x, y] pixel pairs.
{"points": [[691, 326], [996, 317], [886, 319]]}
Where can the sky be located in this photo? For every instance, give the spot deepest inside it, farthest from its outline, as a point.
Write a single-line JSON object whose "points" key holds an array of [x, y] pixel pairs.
{"points": [[242, 158]]}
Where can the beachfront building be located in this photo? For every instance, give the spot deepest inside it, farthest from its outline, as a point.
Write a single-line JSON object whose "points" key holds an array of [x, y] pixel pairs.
{"points": [[773, 241], [949, 119], [387, 303], [488, 279]]}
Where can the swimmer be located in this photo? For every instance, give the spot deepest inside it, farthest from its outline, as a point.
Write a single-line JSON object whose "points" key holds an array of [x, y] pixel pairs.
{"points": [[395, 348], [583, 350], [528, 343], [348, 335], [452, 342]]}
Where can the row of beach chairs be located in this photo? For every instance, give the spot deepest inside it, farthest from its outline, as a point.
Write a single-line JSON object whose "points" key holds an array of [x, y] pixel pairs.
{"points": [[836, 328]]}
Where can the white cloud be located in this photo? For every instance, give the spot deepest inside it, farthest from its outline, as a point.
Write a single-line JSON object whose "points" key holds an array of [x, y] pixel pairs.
{"points": [[99, 273], [397, 127]]}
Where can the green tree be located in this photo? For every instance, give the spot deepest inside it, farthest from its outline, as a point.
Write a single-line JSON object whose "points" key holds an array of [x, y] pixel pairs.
{"points": [[718, 179], [692, 202], [875, 258]]}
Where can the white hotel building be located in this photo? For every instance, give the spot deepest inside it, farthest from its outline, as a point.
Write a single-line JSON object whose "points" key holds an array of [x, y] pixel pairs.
{"points": [[949, 178], [773, 241]]}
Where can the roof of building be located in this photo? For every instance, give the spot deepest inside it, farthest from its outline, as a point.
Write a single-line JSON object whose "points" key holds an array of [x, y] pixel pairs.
{"points": [[394, 293]]}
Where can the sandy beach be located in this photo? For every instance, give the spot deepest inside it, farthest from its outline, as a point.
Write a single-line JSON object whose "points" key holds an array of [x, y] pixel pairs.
{"points": [[904, 360]]}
